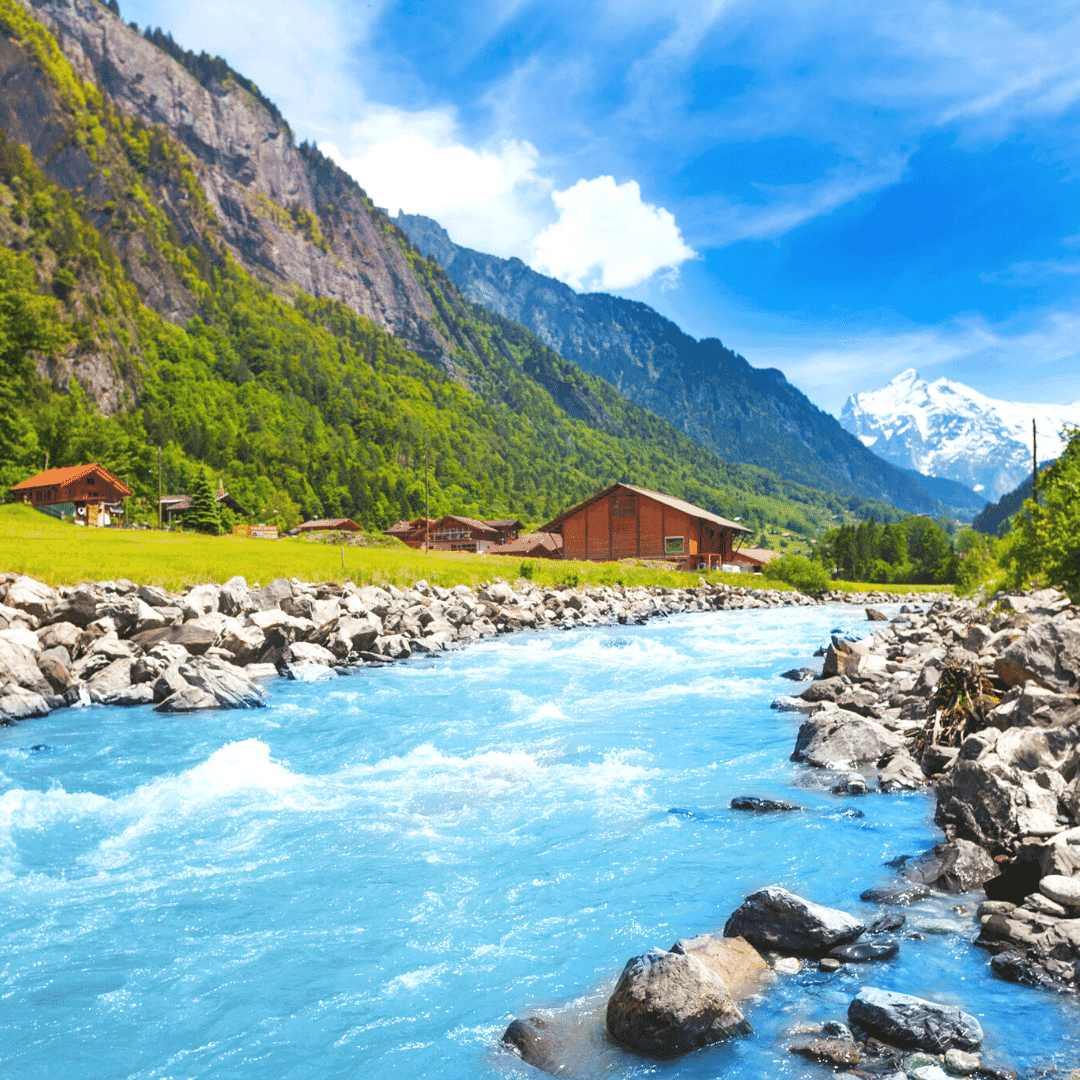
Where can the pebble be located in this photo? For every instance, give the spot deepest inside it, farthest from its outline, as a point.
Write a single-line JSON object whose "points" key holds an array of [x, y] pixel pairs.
{"points": [[828, 963], [787, 965], [995, 907], [960, 1062]]}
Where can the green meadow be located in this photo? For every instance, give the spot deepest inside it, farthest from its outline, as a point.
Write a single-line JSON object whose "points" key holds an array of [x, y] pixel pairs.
{"points": [[64, 554]]}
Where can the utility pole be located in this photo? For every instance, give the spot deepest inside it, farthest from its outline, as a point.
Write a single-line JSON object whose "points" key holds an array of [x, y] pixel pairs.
{"points": [[159, 487], [427, 517], [1034, 467]]}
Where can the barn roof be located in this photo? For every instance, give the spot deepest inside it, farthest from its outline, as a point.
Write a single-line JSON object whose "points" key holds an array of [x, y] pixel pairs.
{"points": [[68, 475], [656, 496], [329, 523], [472, 523], [756, 554]]}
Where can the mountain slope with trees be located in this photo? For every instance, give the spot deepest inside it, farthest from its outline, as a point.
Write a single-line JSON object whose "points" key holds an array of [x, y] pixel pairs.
{"points": [[177, 273]]}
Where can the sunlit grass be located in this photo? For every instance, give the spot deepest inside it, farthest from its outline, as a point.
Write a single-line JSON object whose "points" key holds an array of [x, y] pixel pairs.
{"points": [[63, 554]]}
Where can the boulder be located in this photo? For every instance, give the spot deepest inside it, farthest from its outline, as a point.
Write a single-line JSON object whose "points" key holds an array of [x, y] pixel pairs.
{"points": [[824, 689], [762, 806], [17, 703], [735, 960], [190, 699], [303, 652], [18, 665], [224, 682], [233, 599], [169, 682], [33, 597], [79, 608], [823, 1051], [1048, 654], [899, 895], [270, 596], [873, 615], [394, 646], [361, 632], [776, 919], [666, 1004], [803, 674], [1062, 890], [885, 924], [154, 596], [912, 1023], [56, 667], [111, 682], [200, 600], [195, 639], [864, 952], [958, 866], [833, 738], [246, 643], [901, 773], [537, 1045], [993, 805]]}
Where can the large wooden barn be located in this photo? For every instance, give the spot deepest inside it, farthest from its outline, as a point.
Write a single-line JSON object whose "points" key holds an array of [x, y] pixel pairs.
{"points": [[626, 522], [90, 493]]}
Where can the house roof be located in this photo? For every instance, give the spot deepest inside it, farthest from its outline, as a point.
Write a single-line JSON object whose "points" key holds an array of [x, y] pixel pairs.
{"points": [[175, 503], [329, 523], [529, 542], [504, 523], [755, 554], [657, 496], [472, 523], [405, 527], [62, 477]]}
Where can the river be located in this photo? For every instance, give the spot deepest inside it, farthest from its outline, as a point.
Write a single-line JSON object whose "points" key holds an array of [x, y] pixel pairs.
{"points": [[372, 876]]}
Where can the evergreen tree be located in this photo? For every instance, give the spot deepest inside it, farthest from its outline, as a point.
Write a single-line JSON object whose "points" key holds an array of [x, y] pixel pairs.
{"points": [[204, 513]]}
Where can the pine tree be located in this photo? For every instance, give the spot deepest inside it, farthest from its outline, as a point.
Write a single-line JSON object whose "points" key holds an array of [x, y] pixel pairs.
{"points": [[204, 511]]}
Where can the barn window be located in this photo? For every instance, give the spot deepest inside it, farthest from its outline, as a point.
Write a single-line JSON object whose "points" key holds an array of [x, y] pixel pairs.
{"points": [[674, 545], [622, 508]]}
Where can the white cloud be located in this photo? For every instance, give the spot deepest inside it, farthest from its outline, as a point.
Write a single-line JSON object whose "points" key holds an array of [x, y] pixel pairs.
{"points": [[607, 237], [491, 199]]}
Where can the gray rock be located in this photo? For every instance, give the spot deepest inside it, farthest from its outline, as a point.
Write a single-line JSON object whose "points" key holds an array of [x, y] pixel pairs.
{"points": [[838, 1052], [912, 1023], [824, 690], [30, 596], [762, 806], [1048, 654], [17, 703], [873, 615], [233, 599], [361, 632], [51, 663], [775, 919], [246, 643], [1062, 890], [833, 738], [901, 773], [61, 633], [225, 683], [666, 1004], [111, 682], [270, 596], [18, 665], [190, 699], [865, 952], [958, 866], [195, 639], [899, 895], [154, 596], [169, 682], [303, 652], [81, 608], [394, 646], [538, 1045]]}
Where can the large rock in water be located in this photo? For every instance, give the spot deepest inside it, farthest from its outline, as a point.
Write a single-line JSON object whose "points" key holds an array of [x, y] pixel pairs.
{"points": [[735, 960], [834, 738], [912, 1023], [774, 918], [958, 866], [225, 683], [1048, 654], [666, 1004]]}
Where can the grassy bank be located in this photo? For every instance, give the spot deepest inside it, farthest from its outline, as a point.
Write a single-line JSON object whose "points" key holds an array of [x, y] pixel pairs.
{"points": [[62, 554]]}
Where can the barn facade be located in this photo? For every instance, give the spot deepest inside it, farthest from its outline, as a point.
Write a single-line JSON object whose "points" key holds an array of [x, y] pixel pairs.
{"points": [[627, 522], [89, 493]]}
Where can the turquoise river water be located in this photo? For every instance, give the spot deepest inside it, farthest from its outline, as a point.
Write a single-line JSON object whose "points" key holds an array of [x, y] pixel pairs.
{"points": [[374, 875]]}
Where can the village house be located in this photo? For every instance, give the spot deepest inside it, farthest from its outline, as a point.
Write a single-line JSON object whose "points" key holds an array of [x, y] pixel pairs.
{"points": [[538, 545], [327, 525], [174, 507], [456, 533], [753, 559], [89, 494], [625, 522]]}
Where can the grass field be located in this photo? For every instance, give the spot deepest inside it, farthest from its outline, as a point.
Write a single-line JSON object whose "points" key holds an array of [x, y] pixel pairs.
{"points": [[64, 554]]}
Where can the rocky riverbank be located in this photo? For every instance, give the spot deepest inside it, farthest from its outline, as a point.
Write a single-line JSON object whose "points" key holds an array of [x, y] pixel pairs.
{"points": [[118, 643]]}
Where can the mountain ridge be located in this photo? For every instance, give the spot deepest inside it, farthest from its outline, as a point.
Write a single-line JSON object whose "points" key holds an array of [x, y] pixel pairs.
{"points": [[949, 430], [708, 391]]}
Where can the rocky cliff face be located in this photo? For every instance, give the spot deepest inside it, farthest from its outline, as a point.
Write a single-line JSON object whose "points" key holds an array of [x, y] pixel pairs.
{"points": [[290, 218], [716, 397]]}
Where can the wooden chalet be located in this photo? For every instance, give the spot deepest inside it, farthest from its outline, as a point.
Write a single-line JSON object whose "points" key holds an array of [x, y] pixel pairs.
{"points": [[411, 532], [329, 524], [627, 522], [752, 559], [176, 506], [90, 493], [538, 545]]}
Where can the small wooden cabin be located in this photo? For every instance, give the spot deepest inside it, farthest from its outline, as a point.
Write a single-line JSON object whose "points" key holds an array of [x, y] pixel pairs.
{"points": [[626, 522], [411, 533], [538, 545], [328, 524], [93, 494], [174, 507], [752, 559]]}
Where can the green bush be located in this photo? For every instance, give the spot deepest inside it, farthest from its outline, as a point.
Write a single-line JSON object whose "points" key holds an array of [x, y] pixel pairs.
{"points": [[797, 570]]}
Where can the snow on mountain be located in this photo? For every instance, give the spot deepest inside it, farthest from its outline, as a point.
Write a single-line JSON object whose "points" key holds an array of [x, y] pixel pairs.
{"points": [[947, 429]]}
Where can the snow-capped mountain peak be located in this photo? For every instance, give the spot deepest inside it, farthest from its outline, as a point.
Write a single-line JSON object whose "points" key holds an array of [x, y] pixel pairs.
{"points": [[947, 429]]}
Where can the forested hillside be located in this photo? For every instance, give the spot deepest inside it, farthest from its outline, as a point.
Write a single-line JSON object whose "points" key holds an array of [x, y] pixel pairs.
{"points": [[305, 352]]}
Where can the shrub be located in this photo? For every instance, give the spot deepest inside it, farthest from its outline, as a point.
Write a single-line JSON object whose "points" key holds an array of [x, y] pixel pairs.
{"points": [[797, 570]]}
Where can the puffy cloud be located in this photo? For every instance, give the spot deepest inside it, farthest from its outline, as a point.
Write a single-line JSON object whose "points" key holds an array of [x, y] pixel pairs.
{"points": [[607, 237], [491, 199]]}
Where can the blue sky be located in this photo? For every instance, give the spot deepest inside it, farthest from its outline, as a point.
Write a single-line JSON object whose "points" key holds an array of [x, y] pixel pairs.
{"points": [[840, 190]]}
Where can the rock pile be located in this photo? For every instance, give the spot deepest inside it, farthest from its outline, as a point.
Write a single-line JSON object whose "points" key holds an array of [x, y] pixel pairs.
{"points": [[116, 643], [982, 703]]}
